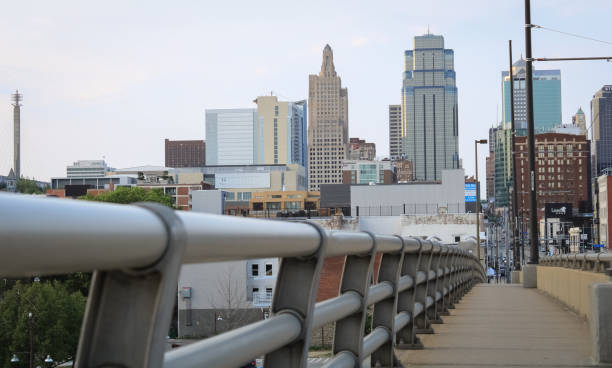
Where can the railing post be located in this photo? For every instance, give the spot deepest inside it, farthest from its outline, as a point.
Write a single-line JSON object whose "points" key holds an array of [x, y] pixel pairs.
{"points": [[296, 293], [441, 284], [434, 281], [422, 320], [128, 312], [449, 283], [356, 277], [406, 300], [384, 311]]}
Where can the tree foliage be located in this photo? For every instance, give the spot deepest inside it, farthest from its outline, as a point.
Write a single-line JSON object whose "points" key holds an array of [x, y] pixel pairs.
{"points": [[55, 322], [29, 186], [127, 195]]}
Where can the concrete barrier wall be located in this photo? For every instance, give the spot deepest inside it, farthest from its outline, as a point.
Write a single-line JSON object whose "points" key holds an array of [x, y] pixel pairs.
{"points": [[570, 286]]}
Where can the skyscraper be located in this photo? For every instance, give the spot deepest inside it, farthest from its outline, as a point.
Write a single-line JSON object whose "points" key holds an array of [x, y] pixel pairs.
{"points": [[230, 137], [395, 132], [328, 124], [579, 120], [280, 136], [601, 119], [546, 98], [429, 108]]}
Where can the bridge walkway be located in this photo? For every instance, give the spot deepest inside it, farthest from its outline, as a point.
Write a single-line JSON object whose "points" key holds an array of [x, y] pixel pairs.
{"points": [[500, 325]]}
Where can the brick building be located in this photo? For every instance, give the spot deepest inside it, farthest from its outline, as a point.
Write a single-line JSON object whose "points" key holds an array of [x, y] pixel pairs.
{"points": [[359, 149], [561, 171], [403, 171], [185, 153]]}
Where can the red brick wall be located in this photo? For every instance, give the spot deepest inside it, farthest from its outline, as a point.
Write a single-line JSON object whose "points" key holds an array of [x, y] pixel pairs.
{"points": [[331, 275]]}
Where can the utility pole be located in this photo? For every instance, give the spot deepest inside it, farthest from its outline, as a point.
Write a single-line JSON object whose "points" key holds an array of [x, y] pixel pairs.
{"points": [[515, 233], [533, 204]]}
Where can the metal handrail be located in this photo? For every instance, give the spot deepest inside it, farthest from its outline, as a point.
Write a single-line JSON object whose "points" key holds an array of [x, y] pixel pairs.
{"points": [[595, 262], [136, 252]]}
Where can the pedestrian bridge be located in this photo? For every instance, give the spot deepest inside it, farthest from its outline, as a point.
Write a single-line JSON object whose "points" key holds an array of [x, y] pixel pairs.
{"points": [[429, 304], [505, 325]]}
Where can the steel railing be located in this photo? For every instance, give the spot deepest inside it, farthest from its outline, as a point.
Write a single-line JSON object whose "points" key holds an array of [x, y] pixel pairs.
{"points": [[596, 262], [136, 253]]}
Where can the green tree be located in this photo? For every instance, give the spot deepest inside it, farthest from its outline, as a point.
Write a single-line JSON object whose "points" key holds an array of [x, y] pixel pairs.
{"points": [[54, 323], [127, 195], [29, 186]]}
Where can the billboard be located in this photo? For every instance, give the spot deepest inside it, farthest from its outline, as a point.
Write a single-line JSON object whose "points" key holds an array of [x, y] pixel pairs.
{"points": [[558, 210], [470, 192], [242, 180], [75, 190]]}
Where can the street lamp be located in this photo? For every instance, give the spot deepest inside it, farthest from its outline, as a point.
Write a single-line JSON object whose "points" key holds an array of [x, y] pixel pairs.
{"points": [[476, 143], [14, 359], [48, 361]]}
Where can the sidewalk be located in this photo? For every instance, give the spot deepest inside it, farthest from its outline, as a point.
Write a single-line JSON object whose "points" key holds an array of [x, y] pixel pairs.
{"points": [[505, 325]]}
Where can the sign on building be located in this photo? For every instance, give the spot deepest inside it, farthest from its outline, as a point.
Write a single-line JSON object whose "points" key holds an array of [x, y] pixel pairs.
{"points": [[470, 192], [242, 180], [558, 210]]}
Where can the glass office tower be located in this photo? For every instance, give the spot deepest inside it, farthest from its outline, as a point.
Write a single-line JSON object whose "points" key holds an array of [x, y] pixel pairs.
{"points": [[429, 108]]}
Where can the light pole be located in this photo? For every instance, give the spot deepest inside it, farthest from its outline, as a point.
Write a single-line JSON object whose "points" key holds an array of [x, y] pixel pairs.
{"points": [[476, 143], [31, 341]]}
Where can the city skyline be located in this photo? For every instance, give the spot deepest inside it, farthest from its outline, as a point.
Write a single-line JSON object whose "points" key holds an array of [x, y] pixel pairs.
{"points": [[116, 91]]}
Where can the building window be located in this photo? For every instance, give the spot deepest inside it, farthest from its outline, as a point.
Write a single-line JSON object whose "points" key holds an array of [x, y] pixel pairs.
{"points": [[254, 270], [268, 269], [255, 290]]}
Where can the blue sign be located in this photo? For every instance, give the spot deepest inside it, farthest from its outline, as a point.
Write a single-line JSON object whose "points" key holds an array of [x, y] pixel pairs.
{"points": [[598, 245], [470, 192]]}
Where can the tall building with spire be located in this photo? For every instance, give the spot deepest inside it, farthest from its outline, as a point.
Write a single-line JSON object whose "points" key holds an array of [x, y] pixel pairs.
{"points": [[579, 120], [328, 124], [17, 97], [430, 127]]}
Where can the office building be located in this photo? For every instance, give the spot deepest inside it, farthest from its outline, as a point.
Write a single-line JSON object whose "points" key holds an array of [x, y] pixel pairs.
{"points": [[271, 203], [490, 165], [239, 182], [579, 121], [185, 153], [395, 132], [546, 98], [280, 132], [367, 172], [601, 120], [328, 124], [230, 136], [359, 149], [502, 166], [429, 108], [88, 169], [604, 182], [416, 197], [403, 171], [562, 174]]}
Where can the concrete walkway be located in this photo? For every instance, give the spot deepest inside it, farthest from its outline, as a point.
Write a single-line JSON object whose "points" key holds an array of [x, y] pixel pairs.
{"points": [[499, 325]]}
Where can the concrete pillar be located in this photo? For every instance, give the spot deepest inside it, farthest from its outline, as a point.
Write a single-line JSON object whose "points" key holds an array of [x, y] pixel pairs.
{"points": [[601, 321], [530, 276]]}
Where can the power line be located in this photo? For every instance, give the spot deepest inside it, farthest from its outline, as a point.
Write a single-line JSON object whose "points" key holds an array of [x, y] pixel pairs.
{"points": [[571, 34]]}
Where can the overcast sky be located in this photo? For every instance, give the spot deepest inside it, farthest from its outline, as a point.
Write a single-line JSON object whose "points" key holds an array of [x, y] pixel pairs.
{"points": [[112, 79]]}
